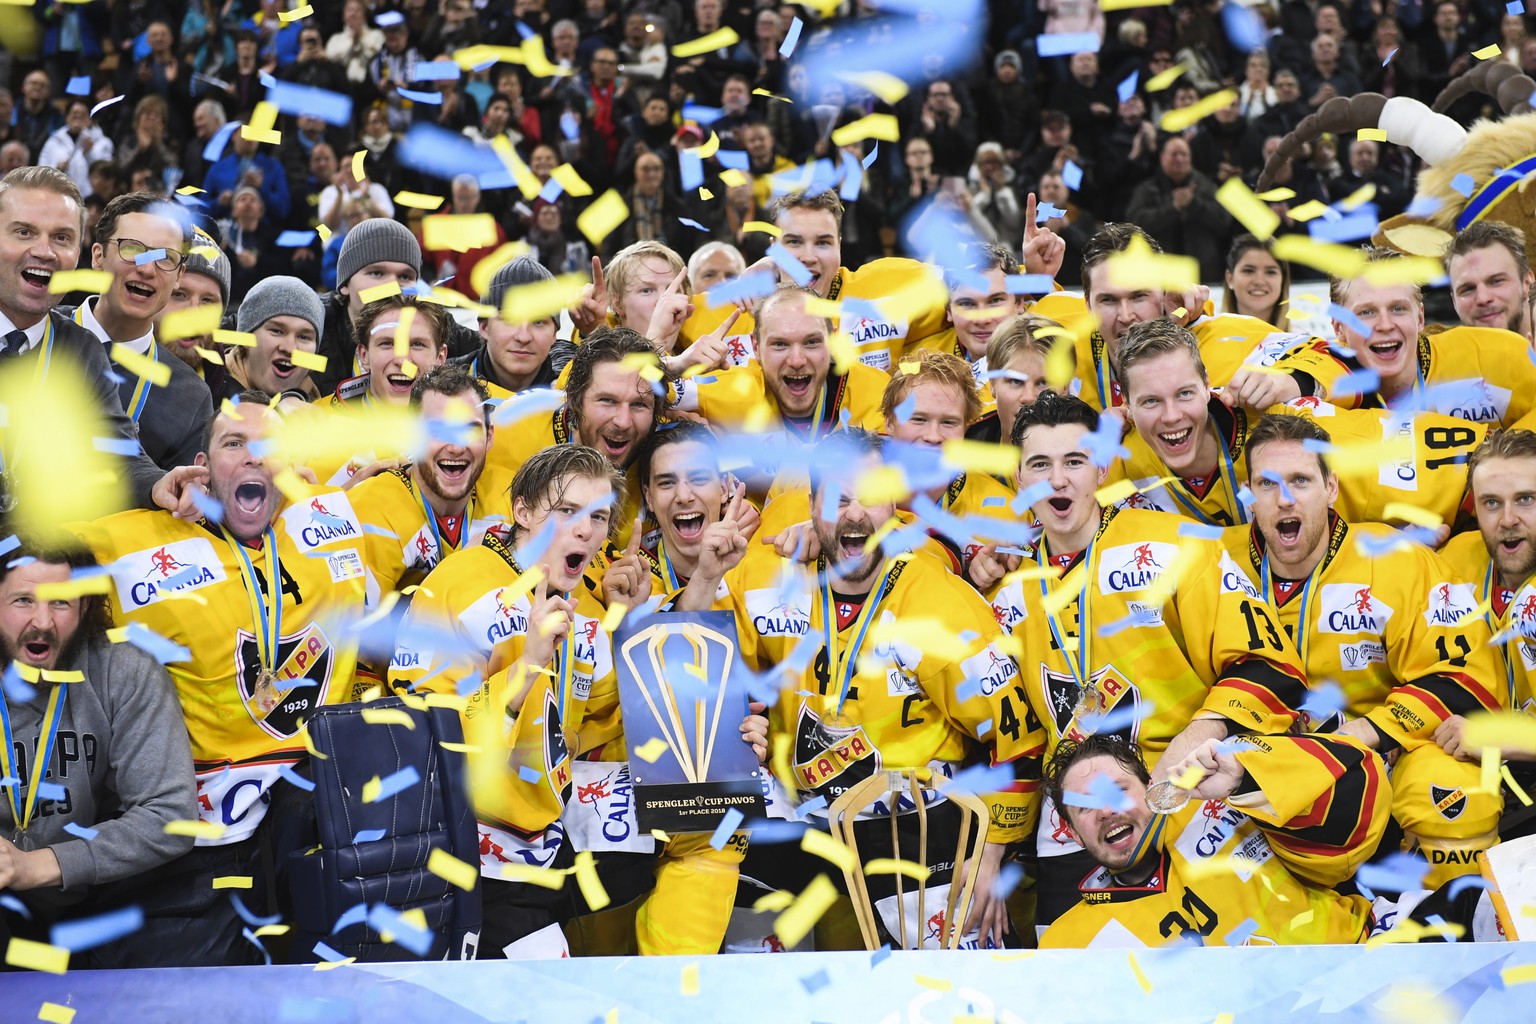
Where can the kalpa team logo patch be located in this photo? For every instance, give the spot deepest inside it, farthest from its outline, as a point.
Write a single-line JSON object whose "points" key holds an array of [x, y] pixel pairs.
{"points": [[300, 684], [320, 521], [146, 577], [1134, 566], [1449, 603], [1448, 801], [1351, 608]]}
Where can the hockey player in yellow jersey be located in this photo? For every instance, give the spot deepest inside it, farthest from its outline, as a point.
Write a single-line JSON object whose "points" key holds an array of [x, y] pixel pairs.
{"points": [[793, 393], [1251, 858], [1491, 276], [1017, 356], [516, 354], [260, 600], [889, 305], [1474, 373], [864, 658], [979, 304], [1188, 451], [1151, 626], [1259, 365], [1389, 623], [609, 405]]}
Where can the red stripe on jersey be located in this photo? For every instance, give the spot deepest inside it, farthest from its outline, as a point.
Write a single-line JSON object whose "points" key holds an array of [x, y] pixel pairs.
{"points": [[1262, 693]]}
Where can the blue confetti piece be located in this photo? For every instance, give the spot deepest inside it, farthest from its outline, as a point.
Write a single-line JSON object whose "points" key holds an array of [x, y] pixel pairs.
{"points": [[791, 38], [748, 286], [388, 18], [1465, 882], [869, 158], [293, 778], [15, 905], [295, 239], [1103, 793], [1064, 44], [80, 831], [853, 178], [127, 447], [1072, 176], [880, 954], [692, 224], [813, 983], [327, 954], [1423, 206], [1360, 382], [90, 932], [981, 778], [426, 99], [368, 835], [727, 828], [1244, 28], [79, 85], [215, 148], [52, 791], [1515, 7], [1200, 531], [1008, 878], [1242, 933], [1038, 491], [552, 190], [16, 688], [735, 159], [1120, 718], [1028, 284], [983, 728], [1350, 228], [1127, 88], [1389, 57], [1348, 318], [1274, 478], [792, 267], [1316, 447], [993, 502], [1324, 700], [529, 775], [333, 108], [903, 412], [1045, 211], [1245, 496], [701, 115], [1103, 444], [1436, 919], [384, 918], [1463, 184], [1397, 872], [163, 650], [570, 126], [352, 916], [398, 782], [148, 257], [9, 544], [941, 236], [445, 154], [691, 169], [436, 71]]}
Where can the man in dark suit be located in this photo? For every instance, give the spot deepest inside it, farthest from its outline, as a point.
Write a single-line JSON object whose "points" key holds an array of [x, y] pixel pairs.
{"points": [[42, 225]]}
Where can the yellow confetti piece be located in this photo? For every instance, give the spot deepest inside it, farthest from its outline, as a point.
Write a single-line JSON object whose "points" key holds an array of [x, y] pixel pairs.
{"points": [[1419, 270], [480, 277], [1277, 195], [981, 456], [710, 148], [388, 716], [372, 788], [357, 164], [263, 117], [153, 370], [606, 213], [733, 178], [418, 200], [189, 190], [1341, 261], [530, 302], [651, 749], [1249, 210], [871, 126], [271, 136], [1411, 514], [544, 878], [272, 929], [1372, 134], [881, 83], [1491, 50], [37, 956], [689, 982], [310, 360], [1111, 494], [721, 39], [820, 844], [888, 866], [458, 232], [774, 902], [1489, 779], [705, 194], [1184, 117], [794, 923], [324, 232], [1309, 210], [68, 590], [613, 616], [777, 232], [591, 886], [1499, 731], [192, 322], [1522, 975], [94, 281], [1141, 979], [612, 1016], [241, 338], [572, 182], [936, 984], [1163, 79], [289, 17], [527, 182], [1223, 1018], [452, 870], [331, 965], [54, 1013], [233, 882]]}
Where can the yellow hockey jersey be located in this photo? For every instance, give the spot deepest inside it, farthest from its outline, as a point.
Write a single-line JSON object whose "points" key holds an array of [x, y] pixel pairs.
{"points": [[1482, 374], [1397, 632], [1509, 614], [889, 306], [738, 400], [915, 669], [1256, 868], [467, 624], [189, 583], [1159, 659]]}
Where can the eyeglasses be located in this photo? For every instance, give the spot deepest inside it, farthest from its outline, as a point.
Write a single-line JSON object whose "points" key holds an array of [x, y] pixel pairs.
{"points": [[130, 249]]}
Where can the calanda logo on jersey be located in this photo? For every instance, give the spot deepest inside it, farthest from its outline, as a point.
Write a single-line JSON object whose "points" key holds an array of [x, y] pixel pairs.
{"points": [[304, 662], [1351, 608], [1134, 566], [499, 615], [774, 615], [1474, 399], [990, 668], [1234, 580], [321, 520], [612, 800], [1397, 436], [1449, 603], [154, 574]]}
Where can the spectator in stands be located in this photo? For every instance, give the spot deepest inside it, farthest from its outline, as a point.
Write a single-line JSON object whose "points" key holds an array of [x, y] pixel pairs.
{"points": [[250, 242], [7, 114], [13, 154], [1303, 181], [393, 67], [763, 159], [1075, 227], [456, 268], [149, 135], [1127, 156], [714, 263], [1328, 21], [207, 118], [1218, 148], [1257, 284], [650, 131], [35, 117], [312, 67], [643, 53], [919, 182], [949, 128], [1392, 194], [1086, 97], [608, 99], [1288, 109], [653, 211], [1445, 52], [1055, 150], [993, 197], [163, 73], [1389, 63], [453, 28], [1255, 95], [1327, 77], [560, 250], [247, 166], [208, 45], [72, 36], [72, 148], [244, 86], [1007, 105], [1178, 207], [355, 45], [741, 208]]}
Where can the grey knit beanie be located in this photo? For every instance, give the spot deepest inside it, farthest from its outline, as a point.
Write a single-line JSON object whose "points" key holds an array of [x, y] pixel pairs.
{"points": [[216, 268], [281, 296], [521, 271], [376, 240]]}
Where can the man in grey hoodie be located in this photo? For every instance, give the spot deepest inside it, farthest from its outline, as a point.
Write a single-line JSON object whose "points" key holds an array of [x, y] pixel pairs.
{"points": [[96, 752]]}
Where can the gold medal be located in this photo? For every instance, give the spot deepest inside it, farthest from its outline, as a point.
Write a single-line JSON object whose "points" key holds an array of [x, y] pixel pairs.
{"points": [[838, 720], [267, 694], [1166, 798], [1089, 701]]}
